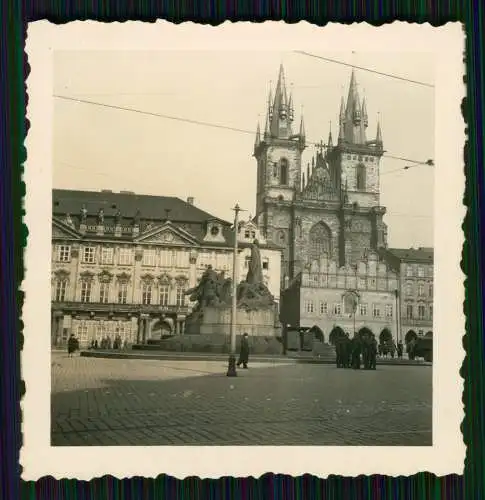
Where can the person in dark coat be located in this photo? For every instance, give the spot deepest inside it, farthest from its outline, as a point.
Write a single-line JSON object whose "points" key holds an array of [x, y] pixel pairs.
{"points": [[399, 349], [72, 345], [356, 350], [339, 344], [244, 351]]}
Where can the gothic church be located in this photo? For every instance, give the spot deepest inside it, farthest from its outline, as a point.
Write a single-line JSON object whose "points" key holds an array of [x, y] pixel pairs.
{"points": [[332, 206]]}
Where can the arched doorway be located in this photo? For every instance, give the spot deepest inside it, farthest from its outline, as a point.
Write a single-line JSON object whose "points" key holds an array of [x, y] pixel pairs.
{"points": [[410, 336], [336, 333], [385, 336], [162, 329], [317, 333], [365, 332]]}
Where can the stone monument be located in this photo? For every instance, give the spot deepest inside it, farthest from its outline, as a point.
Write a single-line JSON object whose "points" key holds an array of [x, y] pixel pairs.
{"points": [[256, 312]]}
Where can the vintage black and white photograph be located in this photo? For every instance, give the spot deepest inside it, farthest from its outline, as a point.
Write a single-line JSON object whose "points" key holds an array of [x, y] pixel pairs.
{"points": [[243, 247]]}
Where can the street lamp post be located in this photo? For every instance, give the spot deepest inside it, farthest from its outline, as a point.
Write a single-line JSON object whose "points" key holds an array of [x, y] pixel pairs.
{"points": [[231, 369]]}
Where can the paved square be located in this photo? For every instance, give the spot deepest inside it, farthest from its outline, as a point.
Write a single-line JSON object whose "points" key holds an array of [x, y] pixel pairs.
{"points": [[151, 402]]}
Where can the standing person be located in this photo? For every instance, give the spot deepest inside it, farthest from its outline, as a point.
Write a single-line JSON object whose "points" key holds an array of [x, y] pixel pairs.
{"points": [[399, 349], [244, 351], [72, 345]]}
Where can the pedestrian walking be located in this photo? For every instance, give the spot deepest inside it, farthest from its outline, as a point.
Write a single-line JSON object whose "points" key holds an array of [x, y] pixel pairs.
{"points": [[72, 345], [244, 351]]}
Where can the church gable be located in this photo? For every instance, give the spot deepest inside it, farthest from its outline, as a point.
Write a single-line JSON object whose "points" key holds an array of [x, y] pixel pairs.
{"points": [[168, 234], [61, 230]]}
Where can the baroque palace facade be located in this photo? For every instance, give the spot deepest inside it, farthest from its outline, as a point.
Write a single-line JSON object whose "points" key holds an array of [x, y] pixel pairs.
{"points": [[328, 219], [121, 263]]}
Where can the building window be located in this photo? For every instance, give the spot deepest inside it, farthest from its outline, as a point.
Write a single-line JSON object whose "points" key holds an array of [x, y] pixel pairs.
{"points": [[309, 306], [409, 289], [362, 283], [63, 253], [126, 256], [320, 241], [430, 312], [180, 296], [107, 255], [430, 289], [122, 293], [88, 255], [388, 310], [146, 294], [182, 259], [275, 170], [409, 311], [409, 271], [421, 271], [166, 258], [376, 311], [61, 287], [149, 257], [421, 289], [337, 309], [323, 308], [361, 183], [247, 261], [163, 294], [363, 309], [104, 293], [266, 264], [281, 238], [283, 171], [86, 287], [421, 311], [372, 283]]}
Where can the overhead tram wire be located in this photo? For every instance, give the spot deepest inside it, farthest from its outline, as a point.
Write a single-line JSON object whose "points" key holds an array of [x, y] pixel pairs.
{"points": [[198, 122], [369, 70]]}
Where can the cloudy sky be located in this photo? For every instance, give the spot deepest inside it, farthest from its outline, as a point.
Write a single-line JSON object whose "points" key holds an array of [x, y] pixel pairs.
{"points": [[97, 147]]}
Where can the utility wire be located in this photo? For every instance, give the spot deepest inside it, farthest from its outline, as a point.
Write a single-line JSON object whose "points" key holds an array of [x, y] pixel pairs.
{"points": [[105, 174], [381, 73], [195, 122]]}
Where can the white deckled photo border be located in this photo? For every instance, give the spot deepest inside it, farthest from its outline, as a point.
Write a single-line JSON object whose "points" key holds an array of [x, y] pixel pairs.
{"points": [[447, 454]]}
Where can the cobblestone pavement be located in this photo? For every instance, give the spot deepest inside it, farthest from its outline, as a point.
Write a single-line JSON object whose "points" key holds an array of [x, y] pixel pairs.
{"points": [[150, 402]]}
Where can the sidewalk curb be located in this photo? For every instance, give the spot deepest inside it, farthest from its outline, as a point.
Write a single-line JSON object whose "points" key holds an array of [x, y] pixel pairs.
{"points": [[165, 356]]}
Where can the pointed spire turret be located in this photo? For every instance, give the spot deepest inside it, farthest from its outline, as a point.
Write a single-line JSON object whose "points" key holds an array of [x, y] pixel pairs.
{"points": [[303, 180], [307, 172], [267, 129], [270, 103], [354, 128], [291, 111], [257, 140], [281, 117], [365, 118], [330, 139], [379, 134], [342, 110]]}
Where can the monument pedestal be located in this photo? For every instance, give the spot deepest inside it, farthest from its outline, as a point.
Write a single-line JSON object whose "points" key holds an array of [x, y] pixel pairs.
{"points": [[261, 322]]}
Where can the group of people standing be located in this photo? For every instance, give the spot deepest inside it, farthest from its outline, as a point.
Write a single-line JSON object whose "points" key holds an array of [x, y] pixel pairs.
{"points": [[107, 343], [352, 353]]}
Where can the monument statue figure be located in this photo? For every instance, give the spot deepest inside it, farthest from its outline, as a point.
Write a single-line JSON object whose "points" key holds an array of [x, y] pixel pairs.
{"points": [[212, 290], [255, 271]]}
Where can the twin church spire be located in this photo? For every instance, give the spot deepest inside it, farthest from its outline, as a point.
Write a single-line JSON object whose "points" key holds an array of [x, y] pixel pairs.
{"points": [[280, 115], [353, 117]]}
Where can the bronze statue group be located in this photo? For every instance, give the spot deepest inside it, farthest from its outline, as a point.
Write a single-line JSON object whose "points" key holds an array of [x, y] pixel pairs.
{"points": [[359, 351]]}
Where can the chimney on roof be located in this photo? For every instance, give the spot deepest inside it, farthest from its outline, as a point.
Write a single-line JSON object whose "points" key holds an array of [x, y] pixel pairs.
{"points": [[167, 214], [127, 192], [190, 200], [106, 191]]}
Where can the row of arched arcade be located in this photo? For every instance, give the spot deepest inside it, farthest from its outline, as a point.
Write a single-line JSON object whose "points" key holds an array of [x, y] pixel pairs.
{"points": [[309, 335]]}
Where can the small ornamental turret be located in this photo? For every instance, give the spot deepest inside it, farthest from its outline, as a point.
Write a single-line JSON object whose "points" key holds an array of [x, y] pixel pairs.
{"points": [[365, 118], [257, 140]]}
